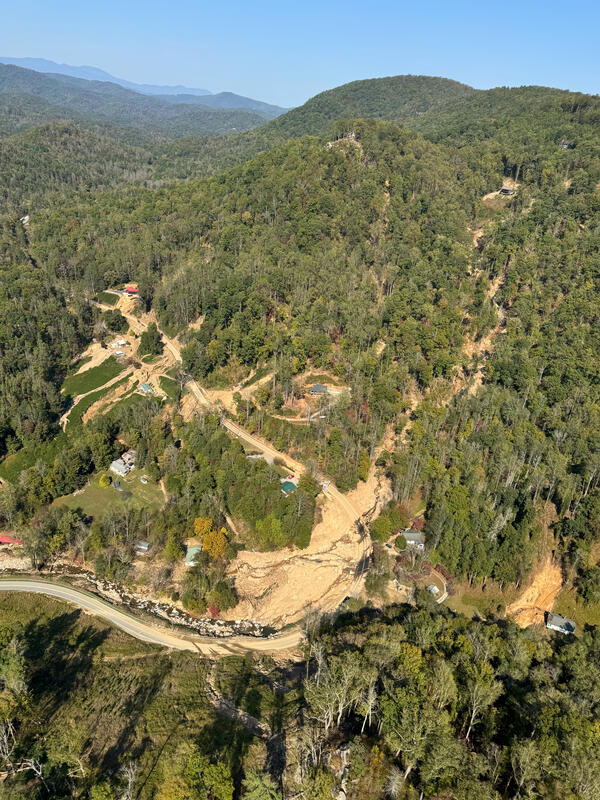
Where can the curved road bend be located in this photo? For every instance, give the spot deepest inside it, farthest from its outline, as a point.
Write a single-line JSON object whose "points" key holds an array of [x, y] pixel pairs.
{"points": [[145, 632]]}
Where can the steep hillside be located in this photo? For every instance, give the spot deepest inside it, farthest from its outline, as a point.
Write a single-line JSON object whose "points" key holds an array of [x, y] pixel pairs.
{"points": [[395, 99], [109, 103], [50, 161]]}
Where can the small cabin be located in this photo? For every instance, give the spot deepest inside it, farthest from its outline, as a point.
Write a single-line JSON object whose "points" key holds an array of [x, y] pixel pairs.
{"points": [[191, 554], [142, 547], [560, 624], [507, 191], [146, 388], [318, 389]]}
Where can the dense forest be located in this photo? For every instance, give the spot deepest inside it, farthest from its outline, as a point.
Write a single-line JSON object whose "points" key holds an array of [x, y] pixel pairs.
{"points": [[402, 704], [361, 240]]}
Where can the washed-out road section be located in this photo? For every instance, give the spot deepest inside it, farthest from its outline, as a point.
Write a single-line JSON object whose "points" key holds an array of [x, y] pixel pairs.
{"points": [[206, 645]]}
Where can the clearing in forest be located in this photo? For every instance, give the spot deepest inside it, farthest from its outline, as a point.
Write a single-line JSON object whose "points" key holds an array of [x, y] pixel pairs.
{"points": [[539, 597]]}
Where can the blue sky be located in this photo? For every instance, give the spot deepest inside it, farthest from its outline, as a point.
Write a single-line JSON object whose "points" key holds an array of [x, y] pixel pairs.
{"points": [[285, 52]]}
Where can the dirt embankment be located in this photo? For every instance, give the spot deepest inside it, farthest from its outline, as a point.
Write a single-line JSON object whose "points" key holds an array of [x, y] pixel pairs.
{"points": [[539, 597], [279, 588]]}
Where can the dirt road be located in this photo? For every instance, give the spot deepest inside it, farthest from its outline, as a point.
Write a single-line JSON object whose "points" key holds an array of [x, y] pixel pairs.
{"points": [[278, 588], [146, 632]]}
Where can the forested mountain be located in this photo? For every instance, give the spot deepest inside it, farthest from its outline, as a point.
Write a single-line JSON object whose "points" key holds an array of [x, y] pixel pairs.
{"points": [[95, 74], [398, 98], [59, 158], [463, 325], [225, 100], [108, 103]]}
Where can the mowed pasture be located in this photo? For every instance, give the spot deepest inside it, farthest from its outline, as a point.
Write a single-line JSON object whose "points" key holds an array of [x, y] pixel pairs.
{"points": [[94, 501]]}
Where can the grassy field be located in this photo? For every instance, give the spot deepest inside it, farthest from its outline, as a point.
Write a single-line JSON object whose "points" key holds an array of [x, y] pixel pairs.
{"points": [[92, 378], [474, 601], [169, 387], [94, 501], [108, 298], [570, 605], [76, 416]]}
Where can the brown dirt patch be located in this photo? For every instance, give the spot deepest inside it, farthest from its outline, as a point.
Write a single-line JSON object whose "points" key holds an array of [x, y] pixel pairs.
{"points": [[539, 597]]}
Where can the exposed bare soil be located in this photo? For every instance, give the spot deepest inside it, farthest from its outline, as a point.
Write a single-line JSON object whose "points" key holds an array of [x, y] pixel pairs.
{"points": [[538, 597]]}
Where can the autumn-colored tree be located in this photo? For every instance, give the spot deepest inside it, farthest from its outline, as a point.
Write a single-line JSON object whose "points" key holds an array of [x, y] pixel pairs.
{"points": [[215, 543], [202, 526]]}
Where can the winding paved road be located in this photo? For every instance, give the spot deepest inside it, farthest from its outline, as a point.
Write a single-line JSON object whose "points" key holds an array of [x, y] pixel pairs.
{"points": [[206, 645]]}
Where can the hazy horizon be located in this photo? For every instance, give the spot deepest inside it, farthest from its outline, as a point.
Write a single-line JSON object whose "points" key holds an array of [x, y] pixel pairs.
{"points": [[262, 52]]}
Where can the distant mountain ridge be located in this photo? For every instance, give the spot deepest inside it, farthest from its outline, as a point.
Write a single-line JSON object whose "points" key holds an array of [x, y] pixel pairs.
{"points": [[149, 117], [174, 94], [89, 73]]}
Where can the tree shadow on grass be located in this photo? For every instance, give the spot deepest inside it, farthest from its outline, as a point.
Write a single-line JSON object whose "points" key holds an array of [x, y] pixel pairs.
{"points": [[226, 737], [61, 651], [132, 710]]}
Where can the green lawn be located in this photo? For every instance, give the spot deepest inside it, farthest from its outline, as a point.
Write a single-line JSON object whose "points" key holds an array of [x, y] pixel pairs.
{"points": [[108, 298], [169, 387], [94, 501], [92, 378], [570, 605]]}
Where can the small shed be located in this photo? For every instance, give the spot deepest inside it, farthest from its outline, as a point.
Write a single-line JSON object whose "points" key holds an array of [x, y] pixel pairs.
{"points": [[318, 389], [433, 589], [142, 547], [561, 624], [191, 554]]}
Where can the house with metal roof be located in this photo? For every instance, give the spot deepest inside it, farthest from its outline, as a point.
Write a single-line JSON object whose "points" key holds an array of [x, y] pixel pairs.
{"points": [[146, 388], [561, 624], [119, 467], [287, 487], [124, 464], [318, 389], [191, 554]]}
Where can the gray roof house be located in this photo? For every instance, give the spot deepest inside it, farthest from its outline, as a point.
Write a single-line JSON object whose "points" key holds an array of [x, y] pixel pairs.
{"points": [[142, 547], [318, 388], [414, 539], [122, 466], [119, 467], [561, 624]]}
